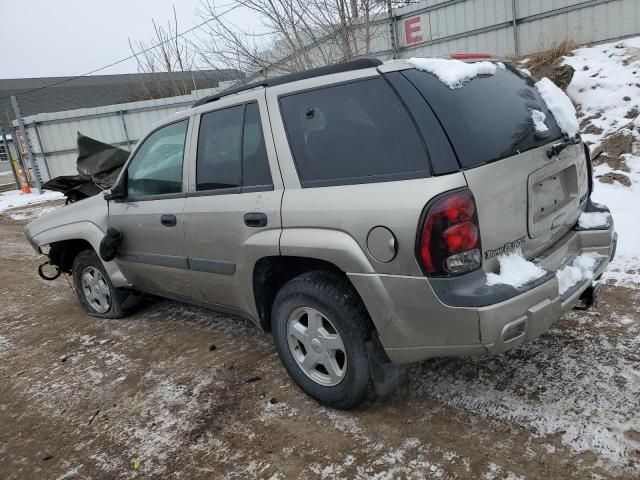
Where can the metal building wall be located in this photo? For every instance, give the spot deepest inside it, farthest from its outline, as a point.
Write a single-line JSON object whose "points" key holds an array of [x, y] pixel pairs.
{"points": [[53, 136]]}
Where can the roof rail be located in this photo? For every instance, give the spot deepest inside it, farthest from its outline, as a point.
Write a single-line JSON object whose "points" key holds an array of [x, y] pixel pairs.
{"points": [[358, 64]]}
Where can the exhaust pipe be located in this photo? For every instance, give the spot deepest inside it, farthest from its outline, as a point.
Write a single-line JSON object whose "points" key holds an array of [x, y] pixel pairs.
{"points": [[589, 297]]}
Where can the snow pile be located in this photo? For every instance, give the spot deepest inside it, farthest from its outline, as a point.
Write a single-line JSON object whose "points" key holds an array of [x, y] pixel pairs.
{"points": [[594, 220], [539, 119], [604, 85], [15, 198], [515, 270], [581, 269], [560, 106], [605, 89], [453, 73]]}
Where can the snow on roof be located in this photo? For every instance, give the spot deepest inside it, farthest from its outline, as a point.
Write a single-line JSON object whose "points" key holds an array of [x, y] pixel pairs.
{"points": [[560, 105], [451, 72]]}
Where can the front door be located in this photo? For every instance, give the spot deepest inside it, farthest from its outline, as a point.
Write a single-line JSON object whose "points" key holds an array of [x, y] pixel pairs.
{"points": [[232, 211], [151, 217]]}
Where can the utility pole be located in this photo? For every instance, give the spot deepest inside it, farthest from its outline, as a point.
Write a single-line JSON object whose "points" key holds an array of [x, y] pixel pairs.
{"points": [[32, 162], [8, 152], [393, 31], [516, 47]]}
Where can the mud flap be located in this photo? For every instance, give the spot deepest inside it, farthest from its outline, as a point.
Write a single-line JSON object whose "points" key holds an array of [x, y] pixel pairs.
{"points": [[387, 377]]}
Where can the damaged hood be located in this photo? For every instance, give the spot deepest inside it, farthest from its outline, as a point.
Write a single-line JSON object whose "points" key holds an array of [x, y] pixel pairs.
{"points": [[98, 165]]}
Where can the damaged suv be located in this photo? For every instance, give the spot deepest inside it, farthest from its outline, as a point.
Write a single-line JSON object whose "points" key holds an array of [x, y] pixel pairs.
{"points": [[368, 214]]}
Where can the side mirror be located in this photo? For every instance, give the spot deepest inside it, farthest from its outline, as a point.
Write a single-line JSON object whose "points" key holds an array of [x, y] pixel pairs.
{"points": [[118, 192]]}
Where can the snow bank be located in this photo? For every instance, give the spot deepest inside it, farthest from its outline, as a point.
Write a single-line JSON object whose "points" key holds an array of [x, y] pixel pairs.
{"points": [[594, 220], [560, 106], [539, 119], [581, 269], [604, 85], [515, 270], [15, 198], [453, 73]]}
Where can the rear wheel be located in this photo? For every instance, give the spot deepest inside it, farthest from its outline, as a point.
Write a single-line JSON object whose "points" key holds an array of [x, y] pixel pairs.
{"points": [[95, 292], [320, 329]]}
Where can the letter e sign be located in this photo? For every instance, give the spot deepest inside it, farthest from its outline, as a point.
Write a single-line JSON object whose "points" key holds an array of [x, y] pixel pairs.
{"points": [[416, 29]]}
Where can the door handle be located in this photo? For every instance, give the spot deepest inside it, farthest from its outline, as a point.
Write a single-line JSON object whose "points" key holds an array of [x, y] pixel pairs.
{"points": [[255, 219], [168, 220]]}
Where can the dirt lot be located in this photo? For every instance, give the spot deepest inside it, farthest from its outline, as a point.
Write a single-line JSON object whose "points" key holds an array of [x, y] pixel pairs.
{"points": [[149, 396]]}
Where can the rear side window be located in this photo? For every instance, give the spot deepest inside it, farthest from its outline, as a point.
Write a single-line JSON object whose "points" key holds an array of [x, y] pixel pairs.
{"points": [[231, 150], [255, 167], [489, 117], [218, 161], [352, 133]]}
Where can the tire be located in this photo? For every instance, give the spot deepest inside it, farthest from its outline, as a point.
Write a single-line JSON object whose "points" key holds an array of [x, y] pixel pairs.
{"points": [[347, 382], [87, 262]]}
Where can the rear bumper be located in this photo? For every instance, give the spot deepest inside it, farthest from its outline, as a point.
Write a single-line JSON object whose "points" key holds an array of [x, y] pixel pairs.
{"points": [[415, 323]]}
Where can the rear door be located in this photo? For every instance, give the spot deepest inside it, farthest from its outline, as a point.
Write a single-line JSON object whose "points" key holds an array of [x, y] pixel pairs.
{"points": [[524, 198], [232, 210]]}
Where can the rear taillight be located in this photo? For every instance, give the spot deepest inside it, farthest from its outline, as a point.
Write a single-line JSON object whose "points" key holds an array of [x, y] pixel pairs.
{"points": [[449, 237]]}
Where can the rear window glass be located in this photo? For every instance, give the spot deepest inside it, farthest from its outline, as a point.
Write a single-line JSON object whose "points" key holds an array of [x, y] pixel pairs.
{"points": [[489, 117], [352, 133]]}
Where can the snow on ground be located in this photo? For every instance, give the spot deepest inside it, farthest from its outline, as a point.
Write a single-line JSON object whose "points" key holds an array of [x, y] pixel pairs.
{"points": [[606, 83], [606, 90], [453, 73], [515, 270], [15, 198], [623, 202], [560, 106], [579, 381]]}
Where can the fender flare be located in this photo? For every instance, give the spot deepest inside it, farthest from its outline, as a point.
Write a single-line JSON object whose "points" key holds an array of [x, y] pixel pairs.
{"points": [[332, 246]]}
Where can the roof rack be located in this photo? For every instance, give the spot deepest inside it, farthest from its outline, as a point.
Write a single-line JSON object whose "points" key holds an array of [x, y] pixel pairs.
{"points": [[358, 64]]}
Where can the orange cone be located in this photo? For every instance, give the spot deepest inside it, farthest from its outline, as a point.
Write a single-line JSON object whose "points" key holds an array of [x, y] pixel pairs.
{"points": [[25, 185]]}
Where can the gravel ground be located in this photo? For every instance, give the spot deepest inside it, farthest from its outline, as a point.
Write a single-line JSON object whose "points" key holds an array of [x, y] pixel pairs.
{"points": [[150, 396]]}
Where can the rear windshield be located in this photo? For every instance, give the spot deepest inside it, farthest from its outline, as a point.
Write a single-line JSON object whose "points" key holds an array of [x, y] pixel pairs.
{"points": [[489, 117]]}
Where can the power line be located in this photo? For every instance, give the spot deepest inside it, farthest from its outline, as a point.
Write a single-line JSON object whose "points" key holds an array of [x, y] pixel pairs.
{"points": [[70, 79]]}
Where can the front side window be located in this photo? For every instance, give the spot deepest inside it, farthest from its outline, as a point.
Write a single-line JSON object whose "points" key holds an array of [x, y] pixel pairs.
{"points": [[156, 168], [352, 133]]}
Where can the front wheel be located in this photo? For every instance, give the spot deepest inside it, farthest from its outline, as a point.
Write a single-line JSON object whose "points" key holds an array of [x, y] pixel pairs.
{"points": [[320, 329], [96, 294]]}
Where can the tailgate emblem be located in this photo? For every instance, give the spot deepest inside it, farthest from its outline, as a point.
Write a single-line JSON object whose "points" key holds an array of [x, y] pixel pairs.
{"points": [[506, 248]]}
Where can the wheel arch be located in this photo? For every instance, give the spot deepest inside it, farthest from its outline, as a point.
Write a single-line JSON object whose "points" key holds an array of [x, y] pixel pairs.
{"points": [[271, 273], [66, 241]]}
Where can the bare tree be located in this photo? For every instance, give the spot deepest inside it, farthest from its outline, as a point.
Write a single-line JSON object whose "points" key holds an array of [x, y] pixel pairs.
{"points": [[295, 34], [166, 63]]}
